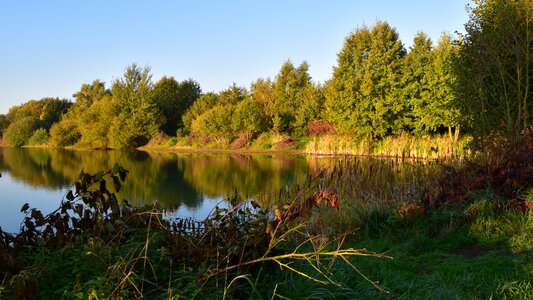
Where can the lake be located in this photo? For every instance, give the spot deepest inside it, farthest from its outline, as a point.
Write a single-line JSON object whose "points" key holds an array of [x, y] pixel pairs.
{"points": [[186, 184]]}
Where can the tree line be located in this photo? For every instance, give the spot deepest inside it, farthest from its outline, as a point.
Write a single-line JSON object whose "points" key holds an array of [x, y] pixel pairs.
{"points": [[477, 82]]}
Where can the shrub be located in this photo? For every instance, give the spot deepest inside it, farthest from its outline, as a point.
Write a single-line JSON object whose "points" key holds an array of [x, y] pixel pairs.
{"points": [[39, 137], [18, 133], [65, 133]]}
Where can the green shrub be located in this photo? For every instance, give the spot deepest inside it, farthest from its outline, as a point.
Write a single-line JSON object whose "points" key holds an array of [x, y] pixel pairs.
{"points": [[65, 133], [19, 132], [39, 137]]}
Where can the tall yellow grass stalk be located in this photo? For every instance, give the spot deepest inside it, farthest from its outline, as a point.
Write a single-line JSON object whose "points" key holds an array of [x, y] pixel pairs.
{"points": [[402, 145]]}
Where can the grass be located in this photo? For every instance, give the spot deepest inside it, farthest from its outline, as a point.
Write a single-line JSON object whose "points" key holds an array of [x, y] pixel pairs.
{"points": [[438, 255]]}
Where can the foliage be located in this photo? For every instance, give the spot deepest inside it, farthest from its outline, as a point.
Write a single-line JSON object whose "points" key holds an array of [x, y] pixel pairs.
{"points": [[173, 99], [89, 93], [247, 118], [65, 133], [203, 104], [363, 93], [495, 65], [28, 117], [4, 123], [39, 137], [20, 130], [214, 122], [505, 166], [94, 124], [108, 249], [137, 118]]}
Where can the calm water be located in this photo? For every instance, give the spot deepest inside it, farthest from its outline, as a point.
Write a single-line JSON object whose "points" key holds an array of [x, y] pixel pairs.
{"points": [[190, 184]]}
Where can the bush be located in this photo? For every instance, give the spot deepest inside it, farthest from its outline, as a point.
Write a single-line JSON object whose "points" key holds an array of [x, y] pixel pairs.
{"points": [[39, 137], [65, 133], [19, 132]]}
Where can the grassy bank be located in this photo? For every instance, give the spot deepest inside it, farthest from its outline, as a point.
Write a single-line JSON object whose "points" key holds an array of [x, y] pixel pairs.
{"points": [[404, 146]]}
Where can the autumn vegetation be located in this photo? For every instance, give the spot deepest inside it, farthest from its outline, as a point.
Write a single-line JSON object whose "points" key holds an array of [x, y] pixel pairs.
{"points": [[448, 229]]}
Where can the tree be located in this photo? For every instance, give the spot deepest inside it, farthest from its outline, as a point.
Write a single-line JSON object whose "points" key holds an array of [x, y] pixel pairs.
{"points": [[4, 123], [414, 82], [438, 106], [94, 124], [137, 118], [364, 94], [32, 115], [19, 131], [288, 88], [247, 118], [173, 99], [262, 94], [215, 122], [89, 93], [495, 66], [200, 106]]}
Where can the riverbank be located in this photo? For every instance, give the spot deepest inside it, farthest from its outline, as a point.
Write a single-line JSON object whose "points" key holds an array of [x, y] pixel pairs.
{"points": [[461, 231], [401, 146]]}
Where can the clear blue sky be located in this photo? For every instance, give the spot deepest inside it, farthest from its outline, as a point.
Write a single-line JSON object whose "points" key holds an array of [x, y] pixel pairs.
{"points": [[49, 48]]}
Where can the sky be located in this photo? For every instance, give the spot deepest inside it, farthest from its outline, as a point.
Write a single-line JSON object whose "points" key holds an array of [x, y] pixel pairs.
{"points": [[50, 48]]}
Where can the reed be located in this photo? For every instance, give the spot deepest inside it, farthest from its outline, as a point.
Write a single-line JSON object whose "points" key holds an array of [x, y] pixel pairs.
{"points": [[403, 146]]}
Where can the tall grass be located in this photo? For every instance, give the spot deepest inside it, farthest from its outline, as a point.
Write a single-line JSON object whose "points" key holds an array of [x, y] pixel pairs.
{"points": [[403, 145]]}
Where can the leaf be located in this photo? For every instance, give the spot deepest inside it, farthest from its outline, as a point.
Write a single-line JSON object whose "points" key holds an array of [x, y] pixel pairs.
{"points": [[25, 207], [110, 227], [98, 175], [70, 195], [116, 182]]}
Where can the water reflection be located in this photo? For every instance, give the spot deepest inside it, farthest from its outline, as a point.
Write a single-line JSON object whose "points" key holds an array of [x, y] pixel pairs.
{"points": [[171, 179]]}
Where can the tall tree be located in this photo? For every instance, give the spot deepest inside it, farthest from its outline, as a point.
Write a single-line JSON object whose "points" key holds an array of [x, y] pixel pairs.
{"points": [[137, 118], [439, 106], [262, 93], [290, 83], [173, 99], [89, 93], [496, 67], [363, 95], [414, 81]]}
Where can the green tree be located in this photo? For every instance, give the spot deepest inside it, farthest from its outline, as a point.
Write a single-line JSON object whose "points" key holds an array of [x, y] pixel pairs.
{"points": [[438, 106], [364, 93], [247, 118], [137, 117], [290, 85], [312, 104], [232, 95], [4, 123], [262, 94], [173, 99], [20, 130], [94, 124], [200, 106], [215, 122], [89, 93], [39, 137], [343, 90], [24, 119], [495, 67], [65, 133], [415, 84]]}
